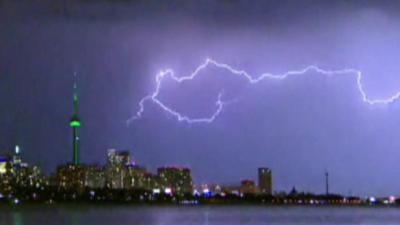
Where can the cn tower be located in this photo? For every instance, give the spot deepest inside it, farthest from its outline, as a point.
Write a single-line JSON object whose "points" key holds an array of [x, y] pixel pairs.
{"points": [[75, 123]]}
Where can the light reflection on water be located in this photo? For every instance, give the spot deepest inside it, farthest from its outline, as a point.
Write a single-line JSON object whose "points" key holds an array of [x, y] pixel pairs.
{"points": [[17, 217], [228, 215]]}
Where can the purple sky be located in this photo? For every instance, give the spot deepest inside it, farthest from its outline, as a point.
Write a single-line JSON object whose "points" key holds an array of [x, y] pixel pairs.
{"points": [[298, 127]]}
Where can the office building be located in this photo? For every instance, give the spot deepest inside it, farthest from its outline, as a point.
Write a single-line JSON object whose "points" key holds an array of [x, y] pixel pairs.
{"points": [[265, 180], [175, 180]]}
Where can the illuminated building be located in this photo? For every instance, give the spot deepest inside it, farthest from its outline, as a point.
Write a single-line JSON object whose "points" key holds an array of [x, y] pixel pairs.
{"points": [[15, 175], [265, 180], [24, 175], [115, 157], [178, 180], [95, 177], [248, 187], [135, 178], [75, 123], [77, 177], [17, 157], [214, 189], [231, 190], [117, 169], [138, 178], [150, 182], [115, 177], [29, 177], [71, 177], [6, 177], [121, 173], [4, 162]]}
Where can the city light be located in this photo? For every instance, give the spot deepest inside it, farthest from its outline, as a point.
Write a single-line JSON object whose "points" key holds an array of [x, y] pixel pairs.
{"points": [[167, 191], [372, 199], [3, 168], [169, 184], [17, 150], [75, 123]]}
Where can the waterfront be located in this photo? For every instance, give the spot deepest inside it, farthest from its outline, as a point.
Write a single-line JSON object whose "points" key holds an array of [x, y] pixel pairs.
{"points": [[202, 215]]}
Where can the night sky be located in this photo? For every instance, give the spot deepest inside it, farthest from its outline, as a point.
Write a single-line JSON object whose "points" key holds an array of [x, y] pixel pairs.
{"points": [[299, 127]]}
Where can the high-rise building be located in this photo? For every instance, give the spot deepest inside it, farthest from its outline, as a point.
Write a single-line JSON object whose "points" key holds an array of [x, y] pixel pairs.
{"points": [[138, 178], [95, 177], [265, 180], [115, 157], [28, 176], [75, 123], [71, 177], [17, 157], [117, 169], [175, 180], [16, 174]]}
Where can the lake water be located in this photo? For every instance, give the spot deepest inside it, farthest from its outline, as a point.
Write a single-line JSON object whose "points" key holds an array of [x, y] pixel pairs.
{"points": [[204, 215]]}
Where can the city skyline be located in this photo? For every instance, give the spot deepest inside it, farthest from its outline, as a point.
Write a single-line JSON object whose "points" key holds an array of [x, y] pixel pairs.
{"points": [[299, 127]]}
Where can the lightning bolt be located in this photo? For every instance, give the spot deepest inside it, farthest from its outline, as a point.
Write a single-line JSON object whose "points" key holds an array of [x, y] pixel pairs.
{"points": [[153, 97]]}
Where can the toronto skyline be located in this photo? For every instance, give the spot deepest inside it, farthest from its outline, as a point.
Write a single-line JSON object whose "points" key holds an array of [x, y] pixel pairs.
{"points": [[305, 93]]}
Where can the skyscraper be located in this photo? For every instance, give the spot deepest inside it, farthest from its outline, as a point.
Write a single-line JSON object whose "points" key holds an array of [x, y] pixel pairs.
{"points": [[265, 180], [115, 157], [177, 180], [17, 157], [75, 123], [117, 168]]}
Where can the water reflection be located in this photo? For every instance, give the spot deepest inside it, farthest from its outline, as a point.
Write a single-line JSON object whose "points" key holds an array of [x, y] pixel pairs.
{"points": [[221, 215], [18, 218], [206, 215]]}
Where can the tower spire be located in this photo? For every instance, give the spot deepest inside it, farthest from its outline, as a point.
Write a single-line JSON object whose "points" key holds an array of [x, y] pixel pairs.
{"points": [[76, 96], [75, 123]]}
